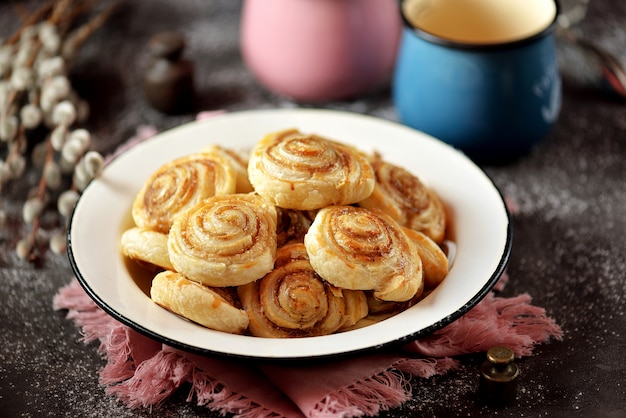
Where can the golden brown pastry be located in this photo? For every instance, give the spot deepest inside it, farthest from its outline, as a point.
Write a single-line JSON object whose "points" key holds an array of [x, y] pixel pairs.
{"points": [[238, 163], [376, 306], [146, 246], [293, 301], [356, 307], [292, 225], [434, 260], [379, 310], [361, 249], [178, 185], [197, 302], [307, 172], [226, 240], [309, 237], [402, 195]]}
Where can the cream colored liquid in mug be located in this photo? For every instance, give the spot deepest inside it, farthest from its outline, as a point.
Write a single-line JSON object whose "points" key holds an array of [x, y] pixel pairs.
{"points": [[480, 21]]}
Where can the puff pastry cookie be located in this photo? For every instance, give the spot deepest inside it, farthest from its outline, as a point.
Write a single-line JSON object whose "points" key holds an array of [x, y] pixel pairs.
{"points": [[146, 246], [309, 237], [198, 303], [293, 301], [360, 249], [307, 172], [180, 184], [237, 162], [434, 260], [226, 240], [403, 196]]}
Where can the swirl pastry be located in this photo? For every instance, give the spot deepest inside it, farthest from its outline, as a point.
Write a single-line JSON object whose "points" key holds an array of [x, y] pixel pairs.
{"points": [[356, 307], [434, 260], [402, 195], [293, 301], [361, 249], [307, 172], [197, 302], [379, 310], [226, 240], [146, 246], [237, 162], [178, 185]]}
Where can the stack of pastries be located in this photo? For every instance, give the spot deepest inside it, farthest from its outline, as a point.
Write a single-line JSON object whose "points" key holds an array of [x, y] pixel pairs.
{"points": [[305, 236]]}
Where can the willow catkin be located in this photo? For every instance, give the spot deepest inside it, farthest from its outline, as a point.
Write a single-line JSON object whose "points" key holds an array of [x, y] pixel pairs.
{"points": [[35, 91]]}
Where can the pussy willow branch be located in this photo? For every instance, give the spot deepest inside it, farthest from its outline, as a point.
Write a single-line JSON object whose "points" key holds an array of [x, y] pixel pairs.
{"points": [[61, 14]]}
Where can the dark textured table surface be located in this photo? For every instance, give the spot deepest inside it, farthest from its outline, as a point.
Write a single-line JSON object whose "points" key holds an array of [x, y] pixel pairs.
{"points": [[569, 229]]}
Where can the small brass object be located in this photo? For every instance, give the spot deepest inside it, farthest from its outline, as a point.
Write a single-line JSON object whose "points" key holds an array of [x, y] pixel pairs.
{"points": [[498, 380]]}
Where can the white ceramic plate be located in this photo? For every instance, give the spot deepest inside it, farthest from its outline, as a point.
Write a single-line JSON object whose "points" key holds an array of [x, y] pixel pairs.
{"points": [[479, 217]]}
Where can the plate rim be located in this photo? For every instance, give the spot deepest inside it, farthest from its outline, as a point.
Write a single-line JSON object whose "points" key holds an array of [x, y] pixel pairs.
{"points": [[473, 301]]}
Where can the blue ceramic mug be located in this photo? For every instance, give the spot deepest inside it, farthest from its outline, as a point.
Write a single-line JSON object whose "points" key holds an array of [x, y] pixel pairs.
{"points": [[481, 75]]}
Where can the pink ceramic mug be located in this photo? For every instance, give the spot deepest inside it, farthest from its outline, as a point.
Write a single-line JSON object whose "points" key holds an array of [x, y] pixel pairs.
{"points": [[320, 50]]}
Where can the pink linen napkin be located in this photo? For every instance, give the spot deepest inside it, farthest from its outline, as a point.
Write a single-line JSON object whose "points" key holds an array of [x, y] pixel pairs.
{"points": [[142, 372]]}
